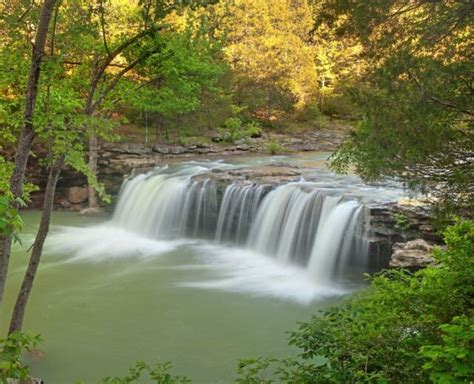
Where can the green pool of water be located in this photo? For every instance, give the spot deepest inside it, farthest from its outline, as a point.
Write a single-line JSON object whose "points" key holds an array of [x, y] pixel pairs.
{"points": [[98, 315]]}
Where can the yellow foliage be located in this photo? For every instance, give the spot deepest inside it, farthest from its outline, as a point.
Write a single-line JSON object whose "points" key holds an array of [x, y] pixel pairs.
{"points": [[269, 43]]}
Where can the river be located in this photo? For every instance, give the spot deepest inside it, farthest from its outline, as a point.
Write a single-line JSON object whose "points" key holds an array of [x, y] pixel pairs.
{"points": [[109, 293]]}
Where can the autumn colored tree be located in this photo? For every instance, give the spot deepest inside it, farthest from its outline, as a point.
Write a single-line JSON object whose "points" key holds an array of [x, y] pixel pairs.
{"points": [[269, 51]]}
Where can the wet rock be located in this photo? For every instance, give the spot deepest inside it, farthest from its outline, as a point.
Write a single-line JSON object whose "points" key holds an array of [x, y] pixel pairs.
{"points": [[242, 147], [163, 149], [303, 147], [127, 148], [93, 211], [412, 254], [178, 150], [126, 164], [264, 175], [77, 195]]}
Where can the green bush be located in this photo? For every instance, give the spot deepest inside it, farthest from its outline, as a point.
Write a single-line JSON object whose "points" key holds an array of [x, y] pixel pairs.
{"points": [[340, 105], [404, 328], [401, 221], [11, 349], [232, 130], [274, 148], [452, 361], [158, 375], [10, 219], [253, 129]]}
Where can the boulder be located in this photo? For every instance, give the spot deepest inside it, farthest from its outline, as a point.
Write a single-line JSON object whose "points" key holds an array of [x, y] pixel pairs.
{"points": [[178, 150], [77, 195], [163, 149], [412, 254]]}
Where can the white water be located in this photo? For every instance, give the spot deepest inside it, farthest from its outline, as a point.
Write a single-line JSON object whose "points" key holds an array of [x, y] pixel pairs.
{"points": [[295, 241]]}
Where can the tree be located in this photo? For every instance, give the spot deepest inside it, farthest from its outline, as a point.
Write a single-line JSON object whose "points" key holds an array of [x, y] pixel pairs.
{"points": [[416, 96], [119, 54], [58, 123], [27, 133], [174, 78], [269, 50]]}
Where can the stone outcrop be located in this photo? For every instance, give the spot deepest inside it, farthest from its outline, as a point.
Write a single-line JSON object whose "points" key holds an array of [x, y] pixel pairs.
{"points": [[120, 159], [401, 235], [270, 175], [412, 254]]}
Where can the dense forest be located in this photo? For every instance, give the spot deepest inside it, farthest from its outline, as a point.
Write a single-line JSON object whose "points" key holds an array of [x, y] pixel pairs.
{"points": [[394, 75]]}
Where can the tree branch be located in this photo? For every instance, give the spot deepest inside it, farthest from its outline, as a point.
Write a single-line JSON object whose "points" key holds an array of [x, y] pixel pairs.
{"points": [[102, 25], [434, 99], [117, 78]]}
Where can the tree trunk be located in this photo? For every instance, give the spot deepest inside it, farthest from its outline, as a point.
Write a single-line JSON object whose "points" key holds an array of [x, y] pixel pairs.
{"points": [[93, 154], [25, 290], [158, 129], [27, 133]]}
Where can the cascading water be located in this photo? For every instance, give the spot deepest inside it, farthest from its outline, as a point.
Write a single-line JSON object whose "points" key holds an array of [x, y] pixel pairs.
{"points": [[167, 204], [299, 223], [237, 212]]}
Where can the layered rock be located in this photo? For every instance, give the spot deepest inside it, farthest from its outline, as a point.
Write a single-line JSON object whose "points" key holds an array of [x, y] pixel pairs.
{"points": [[412, 254], [402, 235]]}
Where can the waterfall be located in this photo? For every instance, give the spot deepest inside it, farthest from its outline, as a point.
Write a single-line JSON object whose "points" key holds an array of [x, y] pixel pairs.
{"points": [[168, 205], [318, 228], [334, 230], [238, 209], [286, 222]]}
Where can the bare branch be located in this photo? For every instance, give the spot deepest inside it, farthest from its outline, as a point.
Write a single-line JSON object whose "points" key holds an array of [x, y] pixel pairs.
{"points": [[24, 14]]}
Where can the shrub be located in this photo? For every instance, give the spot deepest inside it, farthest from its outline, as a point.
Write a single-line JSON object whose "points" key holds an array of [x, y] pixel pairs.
{"points": [[253, 129], [158, 375], [232, 130], [10, 219], [452, 361], [274, 148], [11, 349]]}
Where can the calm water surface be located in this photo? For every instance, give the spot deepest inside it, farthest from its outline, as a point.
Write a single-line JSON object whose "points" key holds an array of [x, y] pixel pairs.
{"points": [[120, 300]]}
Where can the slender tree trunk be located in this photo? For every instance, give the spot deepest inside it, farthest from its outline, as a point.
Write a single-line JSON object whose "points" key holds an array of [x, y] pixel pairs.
{"points": [[93, 154], [158, 129], [27, 133], [25, 290]]}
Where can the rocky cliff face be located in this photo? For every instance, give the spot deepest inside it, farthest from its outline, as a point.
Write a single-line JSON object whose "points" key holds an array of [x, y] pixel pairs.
{"points": [[402, 235]]}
